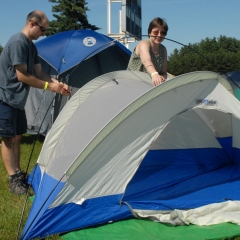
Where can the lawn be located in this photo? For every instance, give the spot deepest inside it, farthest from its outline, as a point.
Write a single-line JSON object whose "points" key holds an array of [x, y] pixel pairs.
{"points": [[13, 212], [14, 209]]}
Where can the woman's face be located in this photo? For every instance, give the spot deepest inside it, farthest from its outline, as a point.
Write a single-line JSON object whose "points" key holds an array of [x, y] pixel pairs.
{"points": [[157, 34]]}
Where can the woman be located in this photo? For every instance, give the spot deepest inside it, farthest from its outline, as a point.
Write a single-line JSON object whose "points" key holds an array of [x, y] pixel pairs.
{"points": [[150, 55]]}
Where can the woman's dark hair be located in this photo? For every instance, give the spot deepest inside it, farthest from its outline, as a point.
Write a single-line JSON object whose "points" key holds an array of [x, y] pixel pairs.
{"points": [[157, 22]]}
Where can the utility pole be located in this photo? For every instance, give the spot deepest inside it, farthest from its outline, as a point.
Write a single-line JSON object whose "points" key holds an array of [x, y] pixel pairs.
{"points": [[130, 12]]}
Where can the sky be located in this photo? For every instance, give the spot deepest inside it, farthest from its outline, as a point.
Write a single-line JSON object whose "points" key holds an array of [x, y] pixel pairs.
{"points": [[189, 21]]}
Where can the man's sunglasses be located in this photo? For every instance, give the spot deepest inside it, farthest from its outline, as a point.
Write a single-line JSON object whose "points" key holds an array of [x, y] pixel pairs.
{"points": [[156, 32], [41, 28]]}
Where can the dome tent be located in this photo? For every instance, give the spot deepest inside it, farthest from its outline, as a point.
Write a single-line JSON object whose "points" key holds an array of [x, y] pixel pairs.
{"points": [[120, 147]]}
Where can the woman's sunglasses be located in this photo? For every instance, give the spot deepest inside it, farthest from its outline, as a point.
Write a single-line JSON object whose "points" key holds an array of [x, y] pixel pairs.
{"points": [[156, 32]]}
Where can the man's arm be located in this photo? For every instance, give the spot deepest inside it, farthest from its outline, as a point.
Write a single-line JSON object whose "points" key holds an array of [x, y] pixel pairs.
{"points": [[38, 82], [39, 73]]}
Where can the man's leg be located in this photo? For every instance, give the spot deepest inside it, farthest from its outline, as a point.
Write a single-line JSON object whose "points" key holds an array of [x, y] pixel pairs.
{"points": [[17, 152], [20, 174], [20, 130], [8, 122], [8, 154], [11, 155], [16, 185], [11, 147]]}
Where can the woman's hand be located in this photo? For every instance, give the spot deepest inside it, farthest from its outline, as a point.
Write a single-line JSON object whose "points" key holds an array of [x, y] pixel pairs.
{"points": [[158, 79]]}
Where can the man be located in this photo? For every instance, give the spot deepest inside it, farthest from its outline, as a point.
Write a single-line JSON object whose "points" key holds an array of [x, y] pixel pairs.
{"points": [[20, 69]]}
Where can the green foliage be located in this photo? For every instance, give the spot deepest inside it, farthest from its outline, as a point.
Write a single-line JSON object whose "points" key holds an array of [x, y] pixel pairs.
{"points": [[71, 16], [219, 55]]}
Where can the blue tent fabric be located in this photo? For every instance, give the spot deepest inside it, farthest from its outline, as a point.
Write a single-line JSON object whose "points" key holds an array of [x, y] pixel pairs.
{"points": [[40, 205], [72, 47], [234, 79], [176, 176], [62, 213]]}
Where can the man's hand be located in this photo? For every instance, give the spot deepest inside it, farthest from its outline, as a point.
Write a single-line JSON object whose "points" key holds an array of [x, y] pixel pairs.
{"points": [[58, 87]]}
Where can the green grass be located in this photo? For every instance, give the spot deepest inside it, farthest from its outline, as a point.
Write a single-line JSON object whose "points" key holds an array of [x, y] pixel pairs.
{"points": [[11, 206]]}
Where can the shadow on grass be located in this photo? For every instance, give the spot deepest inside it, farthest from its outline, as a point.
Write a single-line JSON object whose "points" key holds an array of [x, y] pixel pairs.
{"points": [[30, 139]]}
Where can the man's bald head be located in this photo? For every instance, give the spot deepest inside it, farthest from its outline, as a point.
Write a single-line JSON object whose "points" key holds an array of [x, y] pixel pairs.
{"points": [[37, 16]]}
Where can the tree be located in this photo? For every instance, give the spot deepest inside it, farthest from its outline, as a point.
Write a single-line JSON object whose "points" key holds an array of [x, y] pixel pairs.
{"points": [[1, 48], [217, 54], [72, 16]]}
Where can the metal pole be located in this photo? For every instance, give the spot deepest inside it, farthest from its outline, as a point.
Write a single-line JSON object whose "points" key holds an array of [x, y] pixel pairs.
{"points": [[120, 21], [109, 16]]}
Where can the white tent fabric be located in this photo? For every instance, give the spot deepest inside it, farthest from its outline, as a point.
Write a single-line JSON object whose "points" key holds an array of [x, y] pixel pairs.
{"points": [[211, 214]]}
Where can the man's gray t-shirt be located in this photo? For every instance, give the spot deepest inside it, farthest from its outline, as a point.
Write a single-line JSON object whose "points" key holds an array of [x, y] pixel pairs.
{"points": [[18, 50]]}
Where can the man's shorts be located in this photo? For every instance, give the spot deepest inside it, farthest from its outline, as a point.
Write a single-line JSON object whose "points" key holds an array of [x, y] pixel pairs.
{"points": [[13, 121]]}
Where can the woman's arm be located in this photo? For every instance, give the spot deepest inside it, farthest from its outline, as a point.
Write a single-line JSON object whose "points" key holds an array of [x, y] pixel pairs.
{"points": [[143, 51]]}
